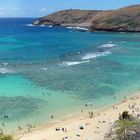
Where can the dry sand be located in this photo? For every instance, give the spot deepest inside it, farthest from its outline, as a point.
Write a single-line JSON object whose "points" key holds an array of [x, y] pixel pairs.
{"points": [[93, 128]]}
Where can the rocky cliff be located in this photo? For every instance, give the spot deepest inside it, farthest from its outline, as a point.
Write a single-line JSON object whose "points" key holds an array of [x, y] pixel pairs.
{"points": [[81, 18], [125, 19]]}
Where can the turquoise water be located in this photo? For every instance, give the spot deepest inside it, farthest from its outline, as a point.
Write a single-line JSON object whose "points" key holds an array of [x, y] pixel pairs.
{"points": [[56, 71]]}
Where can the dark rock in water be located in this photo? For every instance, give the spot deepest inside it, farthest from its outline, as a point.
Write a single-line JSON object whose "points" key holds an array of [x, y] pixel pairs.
{"points": [[125, 19], [18, 107]]}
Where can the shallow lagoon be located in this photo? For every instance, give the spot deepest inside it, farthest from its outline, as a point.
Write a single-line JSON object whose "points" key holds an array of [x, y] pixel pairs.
{"points": [[55, 71]]}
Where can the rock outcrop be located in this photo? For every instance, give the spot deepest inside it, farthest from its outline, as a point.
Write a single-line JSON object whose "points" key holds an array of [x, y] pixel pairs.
{"points": [[80, 18], [125, 19]]}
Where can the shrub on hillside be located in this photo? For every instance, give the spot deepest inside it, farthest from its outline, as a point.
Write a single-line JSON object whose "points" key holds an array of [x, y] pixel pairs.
{"points": [[126, 127]]}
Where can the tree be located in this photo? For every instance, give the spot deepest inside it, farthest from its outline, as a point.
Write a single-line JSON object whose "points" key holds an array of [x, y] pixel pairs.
{"points": [[126, 127], [125, 116]]}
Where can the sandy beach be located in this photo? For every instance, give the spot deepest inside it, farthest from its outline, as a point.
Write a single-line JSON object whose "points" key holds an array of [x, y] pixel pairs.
{"points": [[82, 127], [69, 70]]}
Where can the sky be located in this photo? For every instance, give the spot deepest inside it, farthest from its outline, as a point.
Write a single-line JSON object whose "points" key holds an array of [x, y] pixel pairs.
{"points": [[38, 8]]}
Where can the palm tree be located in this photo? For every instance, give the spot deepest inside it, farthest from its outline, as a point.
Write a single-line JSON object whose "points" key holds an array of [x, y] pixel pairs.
{"points": [[125, 116]]}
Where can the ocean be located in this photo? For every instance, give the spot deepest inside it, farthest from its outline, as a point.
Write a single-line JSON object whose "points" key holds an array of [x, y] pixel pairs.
{"points": [[47, 71]]}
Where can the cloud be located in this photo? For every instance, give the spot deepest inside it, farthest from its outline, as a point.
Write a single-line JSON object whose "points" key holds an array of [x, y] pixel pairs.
{"points": [[43, 10], [2, 12], [46, 10], [8, 11], [14, 8]]}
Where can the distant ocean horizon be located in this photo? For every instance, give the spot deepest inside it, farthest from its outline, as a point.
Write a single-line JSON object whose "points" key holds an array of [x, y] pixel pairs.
{"points": [[46, 70]]}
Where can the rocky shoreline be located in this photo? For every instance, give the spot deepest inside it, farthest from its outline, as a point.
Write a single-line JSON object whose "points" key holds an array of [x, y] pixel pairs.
{"points": [[125, 19]]}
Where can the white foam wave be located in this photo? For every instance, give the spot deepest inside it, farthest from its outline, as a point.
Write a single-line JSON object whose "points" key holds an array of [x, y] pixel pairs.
{"points": [[30, 25], [5, 64], [78, 28], [95, 55], [71, 63], [4, 71], [109, 45], [42, 25], [44, 69], [50, 26]]}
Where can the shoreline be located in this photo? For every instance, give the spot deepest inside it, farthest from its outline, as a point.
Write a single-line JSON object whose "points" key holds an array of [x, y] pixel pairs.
{"points": [[95, 127], [84, 28]]}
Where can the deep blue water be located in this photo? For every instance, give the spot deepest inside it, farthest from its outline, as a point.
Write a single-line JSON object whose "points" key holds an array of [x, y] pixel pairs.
{"points": [[56, 70]]}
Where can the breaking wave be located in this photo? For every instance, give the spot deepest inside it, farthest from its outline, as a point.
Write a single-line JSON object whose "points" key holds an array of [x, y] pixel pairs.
{"points": [[44, 69], [95, 55], [78, 28], [71, 63], [109, 45], [30, 25], [4, 71]]}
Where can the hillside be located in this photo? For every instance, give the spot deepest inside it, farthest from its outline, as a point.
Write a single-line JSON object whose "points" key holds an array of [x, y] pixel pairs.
{"points": [[82, 18], [125, 19]]}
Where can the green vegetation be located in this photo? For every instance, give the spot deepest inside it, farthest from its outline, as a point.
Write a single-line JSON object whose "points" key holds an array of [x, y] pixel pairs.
{"points": [[124, 19], [125, 116], [114, 21], [5, 137], [126, 127]]}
